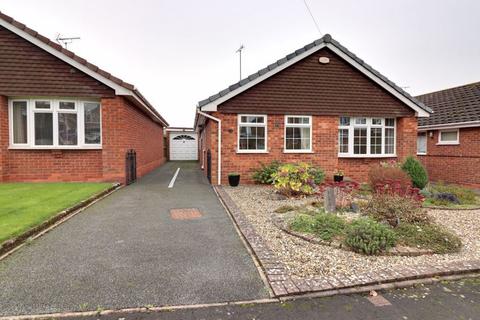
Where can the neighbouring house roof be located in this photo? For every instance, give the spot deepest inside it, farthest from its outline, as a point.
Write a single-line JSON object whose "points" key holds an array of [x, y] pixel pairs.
{"points": [[121, 87], [213, 101], [459, 106]]}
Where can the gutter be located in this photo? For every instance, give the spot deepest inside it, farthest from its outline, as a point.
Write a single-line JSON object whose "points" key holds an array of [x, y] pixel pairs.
{"points": [[454, 125], [219, 149]]}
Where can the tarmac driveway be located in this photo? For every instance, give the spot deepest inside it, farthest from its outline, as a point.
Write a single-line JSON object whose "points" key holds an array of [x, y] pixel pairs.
{"points": [[127, 251]]}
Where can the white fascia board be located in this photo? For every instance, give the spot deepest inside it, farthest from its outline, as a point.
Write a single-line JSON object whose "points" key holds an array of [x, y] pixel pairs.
{"points": [[419, 111], [456, 125], [212, 106], [119, 90]]}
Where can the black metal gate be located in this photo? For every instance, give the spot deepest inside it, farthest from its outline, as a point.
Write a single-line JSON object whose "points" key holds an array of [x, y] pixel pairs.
{"points": [[209, 165], [130, 167]]}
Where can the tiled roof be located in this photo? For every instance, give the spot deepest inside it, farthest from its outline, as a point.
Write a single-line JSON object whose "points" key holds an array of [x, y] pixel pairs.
{"points": [[82, 61], [324, 40], [454, 105]]}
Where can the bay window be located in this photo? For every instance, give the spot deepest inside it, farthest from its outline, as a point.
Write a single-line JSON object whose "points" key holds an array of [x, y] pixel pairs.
{"points": [[298, 134], [252, 133], [56, 123], [366, 137]]}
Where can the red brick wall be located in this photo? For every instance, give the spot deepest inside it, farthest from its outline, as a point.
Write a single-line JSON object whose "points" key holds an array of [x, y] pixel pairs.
{"points": [[123, 127], [324, 146], [459, 164]]}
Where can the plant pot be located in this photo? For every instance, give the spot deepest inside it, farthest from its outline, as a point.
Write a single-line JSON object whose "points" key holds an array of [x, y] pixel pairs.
{"points": [[337, 178], [234, 181]]}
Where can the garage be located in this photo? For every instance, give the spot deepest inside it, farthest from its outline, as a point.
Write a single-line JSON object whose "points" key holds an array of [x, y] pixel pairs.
{"points": [[183, 145]]}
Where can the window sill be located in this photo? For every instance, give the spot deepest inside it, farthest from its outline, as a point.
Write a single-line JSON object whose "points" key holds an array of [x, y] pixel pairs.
{"points": [[421, 154], [298, 151], [54, 148], [448, 144], [361, 156], [250, 151]]}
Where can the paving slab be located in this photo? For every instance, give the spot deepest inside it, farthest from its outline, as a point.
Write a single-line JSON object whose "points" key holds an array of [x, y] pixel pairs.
{"points": [[127, 251]]}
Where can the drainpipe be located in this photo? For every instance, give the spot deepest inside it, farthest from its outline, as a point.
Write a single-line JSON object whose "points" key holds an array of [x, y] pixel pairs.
{"points": [[219, 149]]}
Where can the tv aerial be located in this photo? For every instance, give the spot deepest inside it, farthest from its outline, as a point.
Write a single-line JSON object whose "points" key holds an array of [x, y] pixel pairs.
{"points": [[65, 41]]}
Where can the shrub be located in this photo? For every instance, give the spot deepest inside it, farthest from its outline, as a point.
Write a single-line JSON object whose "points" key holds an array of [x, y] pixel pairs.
{"points": [[381, 175], [369, 237], [294, 179], [263, 174], [324, 225], [446, 197], [395, 188], [317, 175], [328, 226], [416, 171], [428, 236], [395, 209], [303, 223]]}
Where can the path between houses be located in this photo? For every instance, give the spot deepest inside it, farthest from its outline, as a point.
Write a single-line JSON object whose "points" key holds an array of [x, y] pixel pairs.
{"points": [[127, 251]]}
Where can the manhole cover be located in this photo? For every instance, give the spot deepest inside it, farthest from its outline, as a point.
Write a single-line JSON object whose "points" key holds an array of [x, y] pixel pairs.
{"points": [[185, 213]]}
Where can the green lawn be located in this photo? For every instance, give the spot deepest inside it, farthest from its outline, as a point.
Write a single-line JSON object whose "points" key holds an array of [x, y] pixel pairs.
{"points": [[25, 205]]}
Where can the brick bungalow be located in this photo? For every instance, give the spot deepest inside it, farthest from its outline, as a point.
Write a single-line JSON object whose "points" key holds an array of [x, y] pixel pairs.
{"points": [[320, 104], [64, 119], [449, 141]]}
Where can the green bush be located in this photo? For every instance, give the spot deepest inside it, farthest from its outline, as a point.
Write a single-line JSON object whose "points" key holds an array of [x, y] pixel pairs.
{"points": [[369, 237], [428, 236], [326, 226], [464, 195], [264, 174], [317, 175], [416, 171], [394, 209], [295, 179]]}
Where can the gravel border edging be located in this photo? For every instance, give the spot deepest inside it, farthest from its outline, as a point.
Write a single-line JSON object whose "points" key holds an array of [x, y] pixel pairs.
{"points": [[283, 284], [11, 245], [447, 209]]}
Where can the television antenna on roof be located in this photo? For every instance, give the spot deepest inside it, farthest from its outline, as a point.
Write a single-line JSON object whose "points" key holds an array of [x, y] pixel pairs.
{"points": [[239, 51], [65, 41]]}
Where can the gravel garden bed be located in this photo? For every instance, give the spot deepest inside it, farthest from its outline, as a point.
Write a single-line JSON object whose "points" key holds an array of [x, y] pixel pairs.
{"points": [[304, 259]]}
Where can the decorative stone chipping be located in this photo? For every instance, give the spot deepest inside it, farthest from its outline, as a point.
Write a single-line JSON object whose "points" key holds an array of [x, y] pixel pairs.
{"points": [[283, 284]]}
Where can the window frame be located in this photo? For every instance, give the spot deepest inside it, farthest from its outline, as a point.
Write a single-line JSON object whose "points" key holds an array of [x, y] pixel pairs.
{"points": [[246, 124], [54, 110], [368, 125], [446, 143], [426, 143], [297, 125]]}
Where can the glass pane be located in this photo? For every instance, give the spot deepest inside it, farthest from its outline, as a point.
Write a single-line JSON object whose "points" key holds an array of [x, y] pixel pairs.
{"points": [[260, 132], [67, 105], [251, 119], [376, 140], [448, 136], [389, 122], [376, 121], [360, 120], [343, 140], [260, 144], [93, 133], [298, 120], [19, 122], [252, 144], [243, 144], [422, 142], [344, 121], [389, 140], [67, 129], [43, 129], [42, 104], [360, 141]]}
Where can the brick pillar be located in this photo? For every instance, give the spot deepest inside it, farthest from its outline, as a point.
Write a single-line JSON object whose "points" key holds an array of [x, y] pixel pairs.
{"points": [[113, 151], [406, 137], [4, 137]]}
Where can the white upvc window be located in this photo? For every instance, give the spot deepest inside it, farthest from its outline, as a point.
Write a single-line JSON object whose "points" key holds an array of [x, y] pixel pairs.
{"points": [[364, 137], [449, 136], [252, 133], [54, 124], [298, 134], [422, 143]]}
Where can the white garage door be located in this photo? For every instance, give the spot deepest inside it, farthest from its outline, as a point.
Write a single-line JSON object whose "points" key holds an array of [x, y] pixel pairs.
{"points": [[183, 146]]}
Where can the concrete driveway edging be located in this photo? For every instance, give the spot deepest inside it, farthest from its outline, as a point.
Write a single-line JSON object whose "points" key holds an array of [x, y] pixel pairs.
{"points": [[283, 285], [10, 246]]}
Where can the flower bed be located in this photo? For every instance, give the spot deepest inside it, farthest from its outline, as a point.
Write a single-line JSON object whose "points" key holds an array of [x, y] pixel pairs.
{"points": [[305, 259]]}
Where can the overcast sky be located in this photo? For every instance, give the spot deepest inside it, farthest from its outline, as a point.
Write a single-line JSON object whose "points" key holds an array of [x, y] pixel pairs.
{"points": [[179, 52]]}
